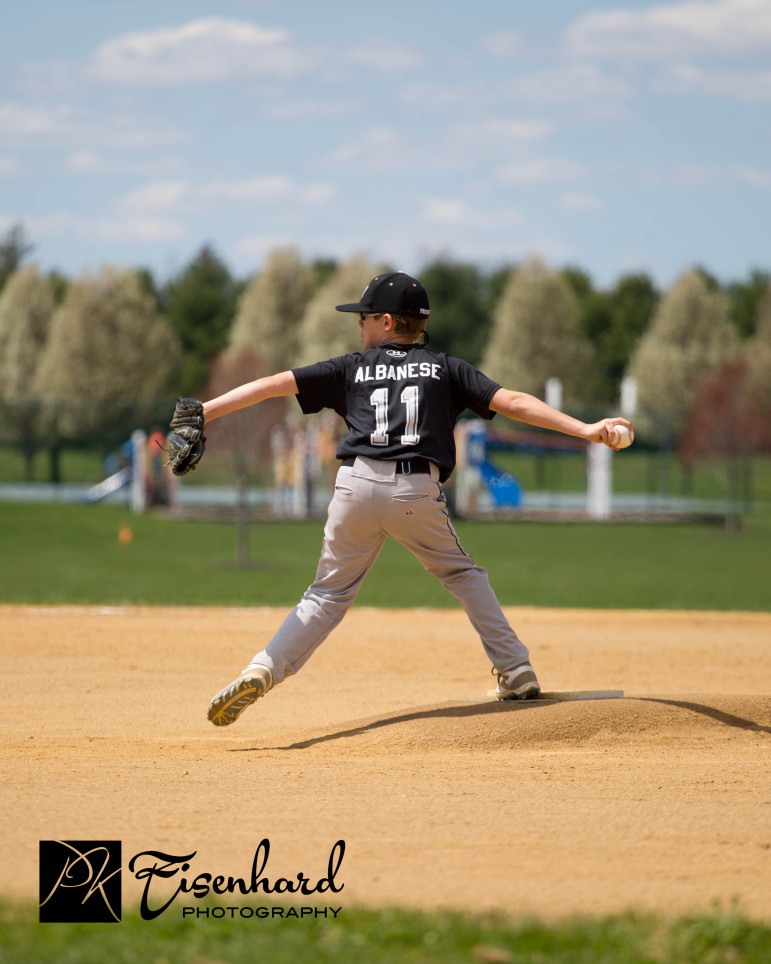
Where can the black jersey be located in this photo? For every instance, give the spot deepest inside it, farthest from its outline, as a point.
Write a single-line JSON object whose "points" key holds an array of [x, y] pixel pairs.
{"points": [[398, 401]]}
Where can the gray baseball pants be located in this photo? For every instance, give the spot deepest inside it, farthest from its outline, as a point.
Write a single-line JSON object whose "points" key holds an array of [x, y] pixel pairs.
{"points": [[371, 503]]}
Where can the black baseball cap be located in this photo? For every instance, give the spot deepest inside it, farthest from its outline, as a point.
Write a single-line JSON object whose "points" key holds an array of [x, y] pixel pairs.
{"points": [[395, 293]]}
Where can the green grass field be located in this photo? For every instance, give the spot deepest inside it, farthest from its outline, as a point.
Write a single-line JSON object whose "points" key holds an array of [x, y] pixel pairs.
{"points": [[385, 937], [64, 554]]}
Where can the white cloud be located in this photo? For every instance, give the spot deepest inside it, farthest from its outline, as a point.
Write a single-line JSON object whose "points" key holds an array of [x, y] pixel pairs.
{"points": [[26, 121], [254, 248], [311, 108], [580, 201], [92, 162], [377, 149], [754, 176], [157, 196], [508, 129], [679, 175], [9, 166], [701, 176], [85, 162], [185, 197], [426, 94], [44, 77], [388, 58], [753, 85], [695, 27], [382, 149], [494, 139], [539, 170], [203, 51], [503, 44], [111, 229], [459, 213], [65, 125], [693, 175], [569, 84]]}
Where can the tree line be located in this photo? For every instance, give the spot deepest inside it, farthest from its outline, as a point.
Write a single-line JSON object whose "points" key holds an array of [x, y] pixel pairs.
{"points": [[82, 357]]}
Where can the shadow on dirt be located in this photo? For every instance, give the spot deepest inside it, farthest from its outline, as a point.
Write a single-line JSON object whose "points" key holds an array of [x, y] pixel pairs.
{"points": [[618, 718], [445, 711], [727, 718]]}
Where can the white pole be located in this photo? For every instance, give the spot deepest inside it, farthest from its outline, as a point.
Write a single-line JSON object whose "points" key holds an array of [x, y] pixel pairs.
{"points": [[554, 392], [138, 471], [298, 465], [628, 396], [599, 481]]}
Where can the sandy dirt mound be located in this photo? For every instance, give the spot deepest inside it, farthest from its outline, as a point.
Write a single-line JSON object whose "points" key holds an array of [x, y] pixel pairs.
{"points": [[659, 800], [475, 726]]}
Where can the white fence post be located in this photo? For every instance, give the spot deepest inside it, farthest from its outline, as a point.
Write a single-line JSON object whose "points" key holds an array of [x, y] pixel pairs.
{"points": [[138, 471]]}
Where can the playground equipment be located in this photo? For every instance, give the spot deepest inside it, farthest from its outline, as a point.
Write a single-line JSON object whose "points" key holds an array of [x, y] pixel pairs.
{"points": [[480, 481], [504, 488], [142, 474]]}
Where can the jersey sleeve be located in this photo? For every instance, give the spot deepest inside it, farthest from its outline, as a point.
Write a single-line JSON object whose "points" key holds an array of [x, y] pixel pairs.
{"points": [[474, 389], [321, 385]]}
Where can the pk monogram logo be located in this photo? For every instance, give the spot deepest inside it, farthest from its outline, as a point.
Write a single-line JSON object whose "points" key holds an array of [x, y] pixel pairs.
{"points": [[80, 881]]}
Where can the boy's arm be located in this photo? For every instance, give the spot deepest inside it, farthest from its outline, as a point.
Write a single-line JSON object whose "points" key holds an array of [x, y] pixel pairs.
{"points": [[273, 386], [527, 408]]}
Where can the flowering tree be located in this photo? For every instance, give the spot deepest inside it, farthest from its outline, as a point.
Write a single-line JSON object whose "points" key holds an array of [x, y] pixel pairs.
{"points": [[725, 426]]}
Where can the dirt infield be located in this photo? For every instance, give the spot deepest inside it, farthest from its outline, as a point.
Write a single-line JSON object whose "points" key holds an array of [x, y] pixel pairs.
{"points": [[660, 800]]}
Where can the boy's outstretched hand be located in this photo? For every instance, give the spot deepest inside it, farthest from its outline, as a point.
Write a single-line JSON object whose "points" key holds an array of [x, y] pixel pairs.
{"points": [[617, 433]]}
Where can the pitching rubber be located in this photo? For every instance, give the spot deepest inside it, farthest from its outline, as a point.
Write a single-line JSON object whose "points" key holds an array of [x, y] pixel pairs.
{"points": [[562, 696]]}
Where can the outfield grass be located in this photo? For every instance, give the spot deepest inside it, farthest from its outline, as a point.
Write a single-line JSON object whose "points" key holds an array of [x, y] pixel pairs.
{"points": [[65, 554], [387, 936]]}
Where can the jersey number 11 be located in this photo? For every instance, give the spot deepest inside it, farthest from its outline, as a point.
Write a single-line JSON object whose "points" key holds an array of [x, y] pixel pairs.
{"points": [[409, 398]]}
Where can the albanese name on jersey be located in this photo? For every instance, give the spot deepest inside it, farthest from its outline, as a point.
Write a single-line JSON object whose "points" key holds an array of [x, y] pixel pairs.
{"points": [[398, 401]]}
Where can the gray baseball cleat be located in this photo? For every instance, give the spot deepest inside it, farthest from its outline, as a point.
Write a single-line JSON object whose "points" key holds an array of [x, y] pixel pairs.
{"points": [[229, 703], [519, 684]]}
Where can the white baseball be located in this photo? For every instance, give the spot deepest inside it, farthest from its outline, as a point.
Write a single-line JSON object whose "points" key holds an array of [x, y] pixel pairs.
{"points": [[622, 436]]}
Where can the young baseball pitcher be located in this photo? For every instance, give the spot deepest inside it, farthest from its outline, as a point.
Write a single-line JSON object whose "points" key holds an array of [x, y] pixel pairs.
{"points": [[400, 401]]}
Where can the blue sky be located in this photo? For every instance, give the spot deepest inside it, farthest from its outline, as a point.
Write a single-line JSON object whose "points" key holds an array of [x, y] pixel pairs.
{"points": [[617, 136]]}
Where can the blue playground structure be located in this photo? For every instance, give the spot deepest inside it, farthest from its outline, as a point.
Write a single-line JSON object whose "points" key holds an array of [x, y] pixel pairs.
{"points": [[506, 491], [504, 488], [118, 477]]}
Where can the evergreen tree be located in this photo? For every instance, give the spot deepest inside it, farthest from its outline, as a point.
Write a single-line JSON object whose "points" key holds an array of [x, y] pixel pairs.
{"points": [[745, 298], [270, 310], [14, 247], [632, 304], [613, 321], [325, 332], [536, 335], [200, 304], [689, 337], [322, 270], [596, 319], [459, 323]]}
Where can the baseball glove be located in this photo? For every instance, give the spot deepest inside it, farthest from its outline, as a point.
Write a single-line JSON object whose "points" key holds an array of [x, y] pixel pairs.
{"points": [[186, 441]]}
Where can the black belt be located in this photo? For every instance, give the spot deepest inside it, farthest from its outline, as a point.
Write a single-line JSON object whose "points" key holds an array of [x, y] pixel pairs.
{"points": [[405, 466]]}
